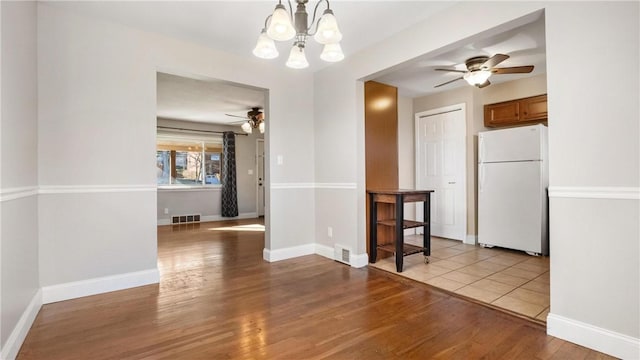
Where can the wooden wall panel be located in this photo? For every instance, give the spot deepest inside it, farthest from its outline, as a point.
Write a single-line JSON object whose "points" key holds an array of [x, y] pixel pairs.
{"points": [[381, 150]]}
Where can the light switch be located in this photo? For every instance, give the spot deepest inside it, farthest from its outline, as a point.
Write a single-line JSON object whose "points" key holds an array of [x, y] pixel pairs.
{"points": [[280, 160], [250, 171]]}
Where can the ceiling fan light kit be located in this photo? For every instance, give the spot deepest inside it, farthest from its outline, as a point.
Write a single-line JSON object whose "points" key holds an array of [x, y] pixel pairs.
{"points": [[254, 120], [480, 69], [284, 26], [477, 77]]}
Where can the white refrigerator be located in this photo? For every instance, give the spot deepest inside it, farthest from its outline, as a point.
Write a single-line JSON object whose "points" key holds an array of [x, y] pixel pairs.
{"points": [[512, 189]]}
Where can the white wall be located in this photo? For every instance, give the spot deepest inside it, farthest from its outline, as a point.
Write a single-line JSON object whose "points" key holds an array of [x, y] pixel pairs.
{"points": [[97, 110], [594, 159], [574, 101], [207, 201], [406, 152], [18, 167]]}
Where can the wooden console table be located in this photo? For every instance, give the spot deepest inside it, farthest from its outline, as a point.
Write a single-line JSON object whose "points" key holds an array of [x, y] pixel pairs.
{"points": [[399, 197]]}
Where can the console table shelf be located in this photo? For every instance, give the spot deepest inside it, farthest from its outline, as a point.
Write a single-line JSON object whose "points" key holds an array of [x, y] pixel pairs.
{"points": [[406, 224], [398, 247]]}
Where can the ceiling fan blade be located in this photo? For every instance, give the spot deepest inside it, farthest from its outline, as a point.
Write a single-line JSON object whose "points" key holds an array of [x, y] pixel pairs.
{"points": [[452, 70], [448, 82], [513, 70], [494, 60], [485, 84], [241, 117]]}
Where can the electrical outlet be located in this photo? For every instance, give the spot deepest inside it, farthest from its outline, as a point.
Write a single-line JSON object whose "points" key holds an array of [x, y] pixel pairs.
{"points": [[330, 231], [166, 211]]}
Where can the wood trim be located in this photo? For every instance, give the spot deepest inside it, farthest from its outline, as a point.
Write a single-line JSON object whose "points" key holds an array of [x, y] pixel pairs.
{"points": [[381, 149]]}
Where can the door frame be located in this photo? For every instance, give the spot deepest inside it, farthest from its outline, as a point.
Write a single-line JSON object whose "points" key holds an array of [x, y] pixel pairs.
{"points": [[441, 110]]}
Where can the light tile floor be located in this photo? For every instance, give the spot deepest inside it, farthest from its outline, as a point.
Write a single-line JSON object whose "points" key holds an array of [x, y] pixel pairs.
{"points": [[504, 278]]}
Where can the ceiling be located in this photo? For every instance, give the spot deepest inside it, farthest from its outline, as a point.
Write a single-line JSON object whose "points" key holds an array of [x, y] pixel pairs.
{"points": [[233, 26], [525, 45], [181, 98]]}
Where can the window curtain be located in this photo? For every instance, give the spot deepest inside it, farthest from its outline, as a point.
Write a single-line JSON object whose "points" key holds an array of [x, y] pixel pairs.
{"points": [[229, 190]]}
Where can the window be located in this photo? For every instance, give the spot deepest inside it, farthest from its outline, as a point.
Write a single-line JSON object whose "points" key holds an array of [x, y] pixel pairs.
{"points": [[188, 162]]}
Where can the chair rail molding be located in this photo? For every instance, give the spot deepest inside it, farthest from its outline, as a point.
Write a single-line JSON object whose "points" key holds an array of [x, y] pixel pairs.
{"points": [[84, 189], [595, 192], [17, 193], [313, 185]]}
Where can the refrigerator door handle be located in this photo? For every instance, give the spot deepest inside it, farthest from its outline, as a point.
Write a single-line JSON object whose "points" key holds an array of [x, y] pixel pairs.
{"points": [[481, 176], [481, 148]]}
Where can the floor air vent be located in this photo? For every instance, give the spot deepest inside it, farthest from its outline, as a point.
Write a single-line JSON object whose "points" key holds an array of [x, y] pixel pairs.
{"points": [[184, 219], [341, 253]]}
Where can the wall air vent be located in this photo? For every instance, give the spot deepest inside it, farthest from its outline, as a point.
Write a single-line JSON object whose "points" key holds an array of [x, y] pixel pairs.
{"points": [[185, 219], [342, 254]]}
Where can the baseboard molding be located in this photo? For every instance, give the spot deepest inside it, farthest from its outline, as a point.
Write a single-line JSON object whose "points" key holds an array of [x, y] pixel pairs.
{"points": [[595, 192], [324, 250], [470, 240], [603, 340], [252, 215], [359, 260], [16, 338], [288, 253], [99, 285]]}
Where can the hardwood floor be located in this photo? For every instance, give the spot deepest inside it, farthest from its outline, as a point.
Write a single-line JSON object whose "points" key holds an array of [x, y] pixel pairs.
{"points": [[218, 299]]}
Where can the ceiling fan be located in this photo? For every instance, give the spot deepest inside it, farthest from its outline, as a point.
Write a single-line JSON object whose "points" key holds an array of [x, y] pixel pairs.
{"points": [[480, 68], [254, 119]]}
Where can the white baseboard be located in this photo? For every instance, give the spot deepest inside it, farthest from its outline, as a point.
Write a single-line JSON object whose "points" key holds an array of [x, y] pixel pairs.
{"points": [[593, 337], [16, 338], [356, 261], [288, 253], [359, 260], [470, 240], [99, 285], [324, 250], [252, 215]]}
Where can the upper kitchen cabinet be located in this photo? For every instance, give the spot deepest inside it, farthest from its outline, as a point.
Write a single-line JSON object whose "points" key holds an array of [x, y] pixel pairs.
{"points": [[526, 111]]}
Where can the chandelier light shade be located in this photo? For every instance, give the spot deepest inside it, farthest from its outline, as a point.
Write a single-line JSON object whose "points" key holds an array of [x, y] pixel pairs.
{"points": [[477, 77], [332, 53], [280, 28], [297, 59], [284, 25], [328, 31], [265, 47], [261, 127]]}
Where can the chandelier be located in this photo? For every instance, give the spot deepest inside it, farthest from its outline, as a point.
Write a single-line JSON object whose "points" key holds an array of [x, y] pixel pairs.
{"points": [[284, 25]]}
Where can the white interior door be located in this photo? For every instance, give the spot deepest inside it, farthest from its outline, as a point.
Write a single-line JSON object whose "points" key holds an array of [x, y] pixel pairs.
{"points": [[260, 177], [441, 166]]}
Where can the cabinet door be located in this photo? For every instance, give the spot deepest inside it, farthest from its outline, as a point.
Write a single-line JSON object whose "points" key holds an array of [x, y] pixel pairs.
{"points": [[501, 113], [534, 108]]}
